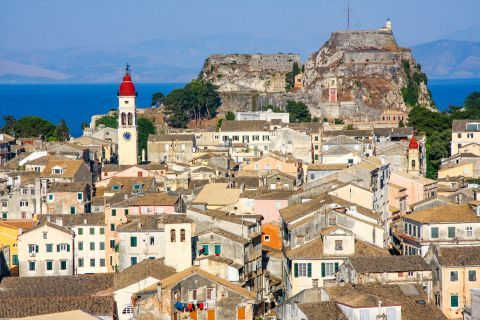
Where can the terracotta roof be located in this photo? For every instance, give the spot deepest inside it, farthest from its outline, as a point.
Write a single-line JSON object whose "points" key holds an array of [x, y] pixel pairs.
{"points": [[244, 125], [217, 194], [412, 299], [67, 187], [140, 271], [41, 224], [151, 222], [450, 213], [326, 166], [396, 186], [171, 281], [388, 132], [267, 194], [380, 264], [370, 163], [171, 137], [70, 168], [42, 161], [314, 250], [226, 234], [25, 224], [150, 199], [327, 310], [461, 125], [459, 256], [127, 183], [28, 296], [71, 220], [296, 211]]}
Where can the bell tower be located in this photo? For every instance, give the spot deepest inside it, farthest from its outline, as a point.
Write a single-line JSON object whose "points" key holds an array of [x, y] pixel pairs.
{"points": [[413, 156], [127, 121]]}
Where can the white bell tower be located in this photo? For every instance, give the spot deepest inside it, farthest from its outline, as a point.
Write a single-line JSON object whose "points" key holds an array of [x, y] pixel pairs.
{"points": [[127, 121]]}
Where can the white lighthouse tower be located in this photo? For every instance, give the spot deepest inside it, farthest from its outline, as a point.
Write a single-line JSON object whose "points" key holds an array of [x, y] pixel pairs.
{"points": [[127, 121]]}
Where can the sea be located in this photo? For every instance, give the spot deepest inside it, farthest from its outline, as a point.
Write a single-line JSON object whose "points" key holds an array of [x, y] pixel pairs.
{"points": [[76, 103]]}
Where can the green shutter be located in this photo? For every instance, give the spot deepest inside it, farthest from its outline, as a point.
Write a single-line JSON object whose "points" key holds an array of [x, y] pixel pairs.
{"points": [[336, 266], [295, 270], [323, 269], [309, 270], [218, 249], [454, 301], [205, 249], [68, 248], [133, 241], [58, 248]]}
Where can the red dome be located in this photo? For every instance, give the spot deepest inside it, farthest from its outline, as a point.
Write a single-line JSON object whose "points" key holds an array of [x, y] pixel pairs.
{"points": [[127, 88], [413, 143]]}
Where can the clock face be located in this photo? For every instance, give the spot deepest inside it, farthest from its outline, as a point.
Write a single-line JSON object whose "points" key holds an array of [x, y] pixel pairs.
{"points": [[127, 136]]}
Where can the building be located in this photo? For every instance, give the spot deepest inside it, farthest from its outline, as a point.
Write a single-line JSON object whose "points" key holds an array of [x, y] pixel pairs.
{"points": [[21, 198], [66, 171], [255, 133], [127, 122], [417, 187], [464, 132], [5, 152], [9, 232], [199, 294], [269, 115], [46, 250], [472, 309], [456, 272], [171, 148], [154, 237], [319, 170], [447, 225], [68, 198], [291, 142], [217, 196]]}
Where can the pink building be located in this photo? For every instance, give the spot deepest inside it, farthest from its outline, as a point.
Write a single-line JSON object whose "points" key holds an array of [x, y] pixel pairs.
{"points": [[417, 188], [152, 204]]}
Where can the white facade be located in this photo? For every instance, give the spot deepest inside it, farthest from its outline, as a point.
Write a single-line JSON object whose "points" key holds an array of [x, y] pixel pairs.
{"points": [[127, 130], [89, 249], [269, 115], [45, 251], [123, 297], [147, 245]]}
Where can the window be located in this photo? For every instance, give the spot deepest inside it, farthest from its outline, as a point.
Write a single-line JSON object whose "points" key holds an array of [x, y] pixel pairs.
{"points": [[80, 231], [338, 245], [205, 249], [15, 260], [73, 210], [4, 215], [57, 171], [127, 310], [210, 293], [266, 238], [92, 246], [80, 262], [32, 248], [133, 261], [137, 186], [112, 243], [80, 246], [302, 270], [454, 301], [453, 276], [80, 196], [31, 265], [24, 203], [102, 245], [102, 262], [469, 232], [116, 187], [459, 135], [133, 242], [112, 226], [49, 265], [114, 212], [126, 212], [63, 247], [182, 235], [92, 230], [434, 233], [63, 264], [218, 249], [152, 241], [102, 230], [49, 247], [192, 294], [173, 235], [316, 157], [329, 269], [451, 232], [51, 197], [92, 262], [472, 275]]}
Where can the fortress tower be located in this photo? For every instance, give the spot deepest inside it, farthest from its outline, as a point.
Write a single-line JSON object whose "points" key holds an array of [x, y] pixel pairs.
{"points": [[127, 121]]}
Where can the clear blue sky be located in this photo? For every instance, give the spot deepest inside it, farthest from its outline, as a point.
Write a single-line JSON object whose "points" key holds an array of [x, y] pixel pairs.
{"points": [[44, 24]]}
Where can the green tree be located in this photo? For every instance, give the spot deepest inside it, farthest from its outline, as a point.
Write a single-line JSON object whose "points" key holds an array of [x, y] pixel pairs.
{"points": [[176, 115], [146, 127], [107, 121], [32, 126], [472, 101], [438, 147], [62, 131], [338, 121], [298, 111], [157, 99], [290, 77], [8, 127], [230, 116], [271, 107]]}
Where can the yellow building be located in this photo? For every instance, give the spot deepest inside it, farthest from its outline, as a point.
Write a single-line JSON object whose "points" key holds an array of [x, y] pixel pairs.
{"points": [[456, 271], [9, 231], [457, 170]]}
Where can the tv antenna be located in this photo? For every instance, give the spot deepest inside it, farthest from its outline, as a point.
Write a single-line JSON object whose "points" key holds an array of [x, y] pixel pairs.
{"points": [[348, 11]]}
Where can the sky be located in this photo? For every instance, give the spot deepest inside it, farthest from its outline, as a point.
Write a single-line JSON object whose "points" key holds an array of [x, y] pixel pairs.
{"points": [[54, 24]]}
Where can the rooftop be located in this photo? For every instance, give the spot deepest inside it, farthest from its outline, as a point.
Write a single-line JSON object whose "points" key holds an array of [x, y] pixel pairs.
{"points": [[450, 213], [380, 264], [151, 222], [217, 194], [244, 125], [325, 310], [459, 256], [140, 271]]}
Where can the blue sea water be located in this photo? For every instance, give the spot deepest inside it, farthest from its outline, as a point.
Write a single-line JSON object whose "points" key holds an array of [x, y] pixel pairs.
{"points": [[76, 103]]}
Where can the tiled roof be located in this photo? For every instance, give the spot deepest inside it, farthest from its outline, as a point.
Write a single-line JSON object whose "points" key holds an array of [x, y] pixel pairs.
{"points": [[226, 234], [150, 199], [387, 132], [25, 224], [381, 264], [171, 137], [339, 150], [298, 210], [349, 133], [459, 256], [151, 222], [70, 168], [314, 250], [326, 166], [244, 125], [127, 183], [41, 224], [217, 194], [71, 220], [327, 310], [267, 194], [341, 140], [451, 213], [461, 125], [412, 299], [140, 271], [27, 296], [67, 187]]}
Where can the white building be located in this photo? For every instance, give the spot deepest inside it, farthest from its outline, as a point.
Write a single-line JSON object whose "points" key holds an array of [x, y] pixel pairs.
{"points": [[268, 115], [127, 122]]}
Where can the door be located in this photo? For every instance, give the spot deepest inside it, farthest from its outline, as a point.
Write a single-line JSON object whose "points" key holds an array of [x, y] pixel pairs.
{"points": [[211, 314], [241, 313]]}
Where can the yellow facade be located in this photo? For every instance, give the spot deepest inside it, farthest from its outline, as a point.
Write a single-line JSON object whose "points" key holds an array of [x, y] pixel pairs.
{"points": [[458, 286], [462, 169], [9, 231]]}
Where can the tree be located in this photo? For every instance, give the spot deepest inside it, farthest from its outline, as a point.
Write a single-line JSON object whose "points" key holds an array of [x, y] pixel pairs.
{"points": [[290, 77], [8, 128], [438, 147], [146, 127], [107, 121], [230, 116], [349, 127], [175, 113], [62, 131], [472, 101], [338, 121], [401, 124], [32, 126], [157, 99], [271, 107], [298, 111]]}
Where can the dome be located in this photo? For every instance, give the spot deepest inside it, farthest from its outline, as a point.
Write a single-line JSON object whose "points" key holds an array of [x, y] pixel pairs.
{"points": [[127, 88], [413, 143]]}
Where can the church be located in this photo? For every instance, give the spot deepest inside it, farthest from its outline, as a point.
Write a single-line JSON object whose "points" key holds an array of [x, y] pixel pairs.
{"points": [[127, 121]]}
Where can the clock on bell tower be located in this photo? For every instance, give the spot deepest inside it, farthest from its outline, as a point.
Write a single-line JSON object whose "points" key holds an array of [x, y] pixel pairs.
{"points": [[127, 121]]}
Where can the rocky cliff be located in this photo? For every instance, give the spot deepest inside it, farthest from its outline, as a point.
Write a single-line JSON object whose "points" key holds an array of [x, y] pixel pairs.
{"points": [[249, 72], [365, 69]]}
